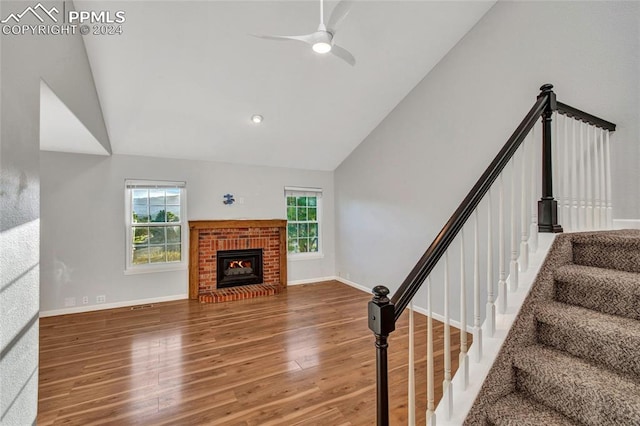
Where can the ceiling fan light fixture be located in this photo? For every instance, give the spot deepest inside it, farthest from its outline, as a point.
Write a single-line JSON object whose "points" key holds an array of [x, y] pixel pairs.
{"points": [[321, 47]]}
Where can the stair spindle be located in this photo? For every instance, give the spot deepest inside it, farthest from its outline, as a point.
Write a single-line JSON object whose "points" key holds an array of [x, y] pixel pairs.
{"points": [[463, 361], [502, 273], [607, 151], [589, 172], [574, 178], [566, 199], [447, 390], [513, 265], [533, 229], [430, 416], [524, 243], [596, 179], [603, 183], [477, 330], [411, 392], [582, 181], [491, 307]]}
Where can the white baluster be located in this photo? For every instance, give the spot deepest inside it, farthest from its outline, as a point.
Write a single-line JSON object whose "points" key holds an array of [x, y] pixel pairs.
{"points": [[533, 229], [607, 164], [502, 273], [477, 330], [603, 183], [463, 361], [582, 216], [566, 201], [596, 178], [431, 416], [412, 375], [513, 265], [555, 178], [589, 193], [524, 243], [491, 307], [575, 225], [447, 390]]}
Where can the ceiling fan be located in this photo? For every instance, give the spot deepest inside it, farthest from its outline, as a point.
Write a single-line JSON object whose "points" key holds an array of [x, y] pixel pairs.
{"points": [[321, 41]]}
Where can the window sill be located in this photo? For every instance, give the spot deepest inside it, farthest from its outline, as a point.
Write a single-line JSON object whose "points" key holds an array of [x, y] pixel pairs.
{"points": [[304, 256], [155, 268]]}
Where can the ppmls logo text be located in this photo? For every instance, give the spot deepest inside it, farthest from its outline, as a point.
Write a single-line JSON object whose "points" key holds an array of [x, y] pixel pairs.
{"points": [[39, 11], [56, 20]]}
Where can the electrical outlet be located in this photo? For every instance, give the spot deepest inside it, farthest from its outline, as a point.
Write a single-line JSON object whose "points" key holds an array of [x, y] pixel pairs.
{"points": [[348, 276], [69, 302], [240, 200], [85, 300], [101, 299]]}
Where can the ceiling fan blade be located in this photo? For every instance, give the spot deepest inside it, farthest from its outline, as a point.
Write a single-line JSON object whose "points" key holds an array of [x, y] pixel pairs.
{"points": [[338, 14], [307, 38], [343, 54]]}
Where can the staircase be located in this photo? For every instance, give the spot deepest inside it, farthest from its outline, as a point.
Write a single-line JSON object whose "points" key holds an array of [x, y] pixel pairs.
{"points": [[573, 354]]}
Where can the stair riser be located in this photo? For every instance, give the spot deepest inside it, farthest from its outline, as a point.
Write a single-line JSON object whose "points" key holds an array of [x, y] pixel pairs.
{"points": [[588, 406], [599, 299], [621, 356], [516, 409]]}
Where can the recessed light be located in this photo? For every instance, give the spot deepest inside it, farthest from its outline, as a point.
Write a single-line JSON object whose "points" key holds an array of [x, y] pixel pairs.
{"points": [[256, 118]]}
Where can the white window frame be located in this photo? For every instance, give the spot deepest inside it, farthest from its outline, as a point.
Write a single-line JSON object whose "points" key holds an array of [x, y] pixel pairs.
{"points": [[131, 268], [310, 192]]}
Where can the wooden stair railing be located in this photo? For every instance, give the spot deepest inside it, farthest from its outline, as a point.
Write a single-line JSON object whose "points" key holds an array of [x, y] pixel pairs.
{"points": [[384, 311]]}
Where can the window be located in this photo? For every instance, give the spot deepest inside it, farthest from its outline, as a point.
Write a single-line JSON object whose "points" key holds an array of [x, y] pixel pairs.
{"points": [[155, 219], [304, 237]]}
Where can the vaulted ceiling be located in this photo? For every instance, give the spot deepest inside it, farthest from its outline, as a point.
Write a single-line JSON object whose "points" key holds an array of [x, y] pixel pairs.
{"points": [[184, 78]]}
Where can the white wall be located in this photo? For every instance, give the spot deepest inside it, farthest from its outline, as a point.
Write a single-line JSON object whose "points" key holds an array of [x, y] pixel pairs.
{"points": [[62, 62], [398, 188], [82, 210]]}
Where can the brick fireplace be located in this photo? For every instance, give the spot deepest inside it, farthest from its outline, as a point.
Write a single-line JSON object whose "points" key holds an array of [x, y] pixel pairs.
{"points": [[208, 237]]}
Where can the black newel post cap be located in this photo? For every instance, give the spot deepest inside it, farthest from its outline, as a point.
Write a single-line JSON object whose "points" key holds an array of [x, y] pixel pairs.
{"points": [[381, 312], [380, 293], [546, 87]]}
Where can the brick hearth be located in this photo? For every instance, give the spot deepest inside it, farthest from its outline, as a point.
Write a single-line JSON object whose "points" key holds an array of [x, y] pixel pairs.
{"points": [[208, 237]]}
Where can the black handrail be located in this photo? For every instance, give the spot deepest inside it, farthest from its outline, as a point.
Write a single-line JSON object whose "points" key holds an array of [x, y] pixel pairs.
{"points": [[570, 111], [384, 312], [445, 237]]}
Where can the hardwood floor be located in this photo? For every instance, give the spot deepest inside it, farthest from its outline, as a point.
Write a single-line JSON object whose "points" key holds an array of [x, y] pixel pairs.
{"points": [[303, 357]]}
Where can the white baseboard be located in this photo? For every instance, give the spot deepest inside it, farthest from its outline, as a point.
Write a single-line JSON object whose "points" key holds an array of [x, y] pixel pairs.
{"points": [[626, 223], [102, 306], [311, 280], [354, 285], [417, 309]]}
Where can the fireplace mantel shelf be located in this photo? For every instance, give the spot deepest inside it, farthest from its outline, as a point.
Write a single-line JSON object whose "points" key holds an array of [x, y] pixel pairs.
{"points": [[237, 223]]}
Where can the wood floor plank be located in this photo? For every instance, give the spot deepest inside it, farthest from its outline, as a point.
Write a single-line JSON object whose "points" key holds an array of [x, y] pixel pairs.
{"points": [[302, 357]]}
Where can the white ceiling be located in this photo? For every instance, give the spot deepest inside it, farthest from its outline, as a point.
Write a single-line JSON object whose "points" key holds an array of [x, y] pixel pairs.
{"points": [[184, 78]]}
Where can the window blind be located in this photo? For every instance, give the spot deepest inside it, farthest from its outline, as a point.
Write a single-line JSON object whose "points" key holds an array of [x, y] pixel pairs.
{"points": [[153, 184], [294, 191]]}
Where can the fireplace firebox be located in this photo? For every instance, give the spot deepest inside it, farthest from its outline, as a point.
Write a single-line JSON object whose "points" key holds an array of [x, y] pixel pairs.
{"points": [[239, 267]]}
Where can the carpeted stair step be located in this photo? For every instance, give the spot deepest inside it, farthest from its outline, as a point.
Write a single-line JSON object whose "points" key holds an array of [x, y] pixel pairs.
{"points": [[604, 339], [606, 290], [576, 388], [516, 409], [611, 250]]}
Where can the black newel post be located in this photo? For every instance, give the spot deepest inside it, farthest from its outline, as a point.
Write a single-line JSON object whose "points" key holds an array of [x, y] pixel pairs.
{"points": [[382, 323], [547, 206]]}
